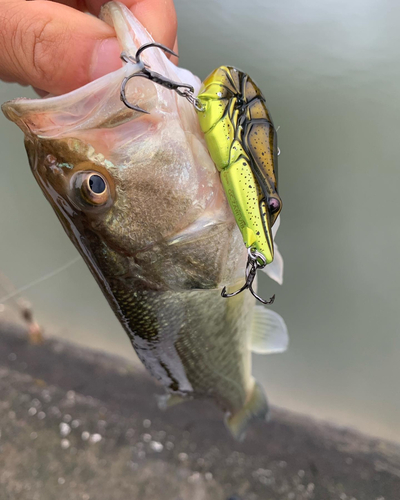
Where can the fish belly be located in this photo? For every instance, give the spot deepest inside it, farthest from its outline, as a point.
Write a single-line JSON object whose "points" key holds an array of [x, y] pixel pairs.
{"points": [[194, 342]]}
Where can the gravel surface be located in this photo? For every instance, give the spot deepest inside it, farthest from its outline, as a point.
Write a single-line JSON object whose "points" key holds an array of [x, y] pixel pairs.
{"points": [[80, 425]]}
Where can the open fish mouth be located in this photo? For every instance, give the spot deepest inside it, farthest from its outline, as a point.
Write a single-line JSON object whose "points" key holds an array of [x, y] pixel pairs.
{"points": [[98, 104]]}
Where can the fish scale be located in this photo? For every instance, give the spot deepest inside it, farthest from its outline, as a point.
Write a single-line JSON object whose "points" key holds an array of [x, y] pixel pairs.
{"points": [[194, 326]]}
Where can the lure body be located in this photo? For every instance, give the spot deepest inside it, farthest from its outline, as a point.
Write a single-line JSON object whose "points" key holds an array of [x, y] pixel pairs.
{"points": [[241, 138]]}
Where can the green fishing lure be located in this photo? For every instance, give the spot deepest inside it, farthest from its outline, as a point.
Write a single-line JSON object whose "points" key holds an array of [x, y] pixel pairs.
{"points": [[242, 142], [241, 138]]}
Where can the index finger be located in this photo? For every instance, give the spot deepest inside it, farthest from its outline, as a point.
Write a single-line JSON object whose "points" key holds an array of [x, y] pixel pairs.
{"points": [[59, 48], [157, 16]]}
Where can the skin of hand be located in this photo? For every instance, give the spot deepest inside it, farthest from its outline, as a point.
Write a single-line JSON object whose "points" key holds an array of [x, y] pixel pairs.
{"points": [[57, 47]]}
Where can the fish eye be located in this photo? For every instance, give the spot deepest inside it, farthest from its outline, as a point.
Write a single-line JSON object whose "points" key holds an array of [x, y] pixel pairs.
{"points": [[274, 205], [93, 187], [97, 184]]}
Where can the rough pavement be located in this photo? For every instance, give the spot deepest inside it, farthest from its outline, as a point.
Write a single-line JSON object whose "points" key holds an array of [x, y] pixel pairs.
{"points": [[80, 425]]}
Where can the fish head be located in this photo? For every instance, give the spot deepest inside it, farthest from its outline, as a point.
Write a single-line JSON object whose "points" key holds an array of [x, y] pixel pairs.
{"points": [[123, 182]]}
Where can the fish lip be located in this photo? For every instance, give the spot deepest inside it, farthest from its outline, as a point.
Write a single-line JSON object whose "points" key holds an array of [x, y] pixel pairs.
{"points": [[38, 117], [23, 111], [33, 116], [14, 111]]}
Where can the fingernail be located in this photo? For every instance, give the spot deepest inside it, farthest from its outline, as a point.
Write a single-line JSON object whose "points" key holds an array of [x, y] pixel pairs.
{"points": [[105, 58]]}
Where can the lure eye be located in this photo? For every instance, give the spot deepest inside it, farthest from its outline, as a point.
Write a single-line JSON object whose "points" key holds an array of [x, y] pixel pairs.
{"points": [[239, 102], [274, 205], [94, 188]]}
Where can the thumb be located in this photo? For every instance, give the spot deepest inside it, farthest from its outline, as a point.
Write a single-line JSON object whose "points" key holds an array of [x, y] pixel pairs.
{"points": [[54, 47]]}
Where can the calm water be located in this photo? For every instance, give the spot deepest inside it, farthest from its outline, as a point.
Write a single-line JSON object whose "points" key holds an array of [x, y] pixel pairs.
{"points": [[330, 73]]}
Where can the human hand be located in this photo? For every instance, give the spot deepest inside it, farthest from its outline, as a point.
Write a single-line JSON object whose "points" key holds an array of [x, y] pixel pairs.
{"points": [[57, 47]]}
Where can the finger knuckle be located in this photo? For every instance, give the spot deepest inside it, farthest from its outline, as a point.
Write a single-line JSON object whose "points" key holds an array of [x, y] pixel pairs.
{"points": [[40, 53], [10, 61], [29, 39]]}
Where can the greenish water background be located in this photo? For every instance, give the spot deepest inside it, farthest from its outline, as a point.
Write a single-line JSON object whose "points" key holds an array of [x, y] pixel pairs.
{"points": [[330, 73]]}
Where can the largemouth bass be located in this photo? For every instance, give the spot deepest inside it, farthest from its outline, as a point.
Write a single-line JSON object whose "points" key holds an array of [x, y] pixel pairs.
{"points": [[141, 199]]}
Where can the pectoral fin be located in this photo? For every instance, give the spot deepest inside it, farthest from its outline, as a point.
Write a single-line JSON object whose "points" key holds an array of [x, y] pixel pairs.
{"points": [[269, 332], [255, 408]]}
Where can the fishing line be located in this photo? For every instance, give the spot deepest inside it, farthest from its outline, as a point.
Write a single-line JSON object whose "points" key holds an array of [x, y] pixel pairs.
{"points": [[39, 280]]}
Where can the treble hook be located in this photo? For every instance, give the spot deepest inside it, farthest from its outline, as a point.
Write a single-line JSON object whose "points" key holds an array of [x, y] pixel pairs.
{"points": [[187, 90], [253, 264]]}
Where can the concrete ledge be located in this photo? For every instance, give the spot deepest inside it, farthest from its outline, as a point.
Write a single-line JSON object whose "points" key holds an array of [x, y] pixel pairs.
{"points": [[77, 424]]}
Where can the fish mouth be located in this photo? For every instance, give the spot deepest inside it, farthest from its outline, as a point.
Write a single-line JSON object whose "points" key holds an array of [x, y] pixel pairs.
{"points": [[56, 116]]}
